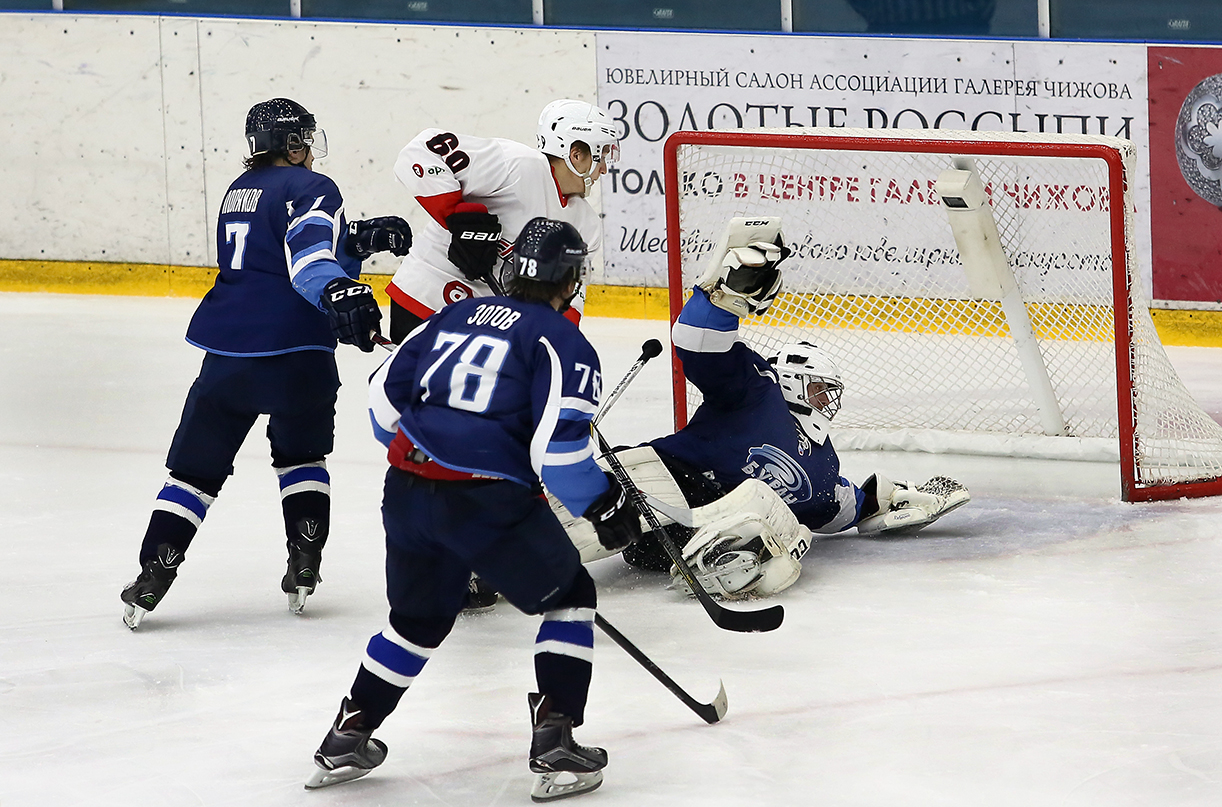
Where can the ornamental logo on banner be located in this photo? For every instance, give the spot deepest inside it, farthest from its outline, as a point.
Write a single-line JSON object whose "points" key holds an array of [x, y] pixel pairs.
{"points": [[1198, 140], [780, 472]]}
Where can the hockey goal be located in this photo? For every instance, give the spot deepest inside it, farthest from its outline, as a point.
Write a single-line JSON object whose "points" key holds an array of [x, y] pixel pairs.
{"points": [[979, 291]]}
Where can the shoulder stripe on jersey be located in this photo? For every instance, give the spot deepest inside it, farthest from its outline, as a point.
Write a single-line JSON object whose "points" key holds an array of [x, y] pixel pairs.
{"points": [[702, 340]]}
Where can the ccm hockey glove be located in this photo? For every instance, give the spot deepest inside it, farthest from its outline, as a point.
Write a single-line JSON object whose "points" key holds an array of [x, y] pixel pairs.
{"points": [[475, 240], [615, 519], [352, 311], [386, 234]]}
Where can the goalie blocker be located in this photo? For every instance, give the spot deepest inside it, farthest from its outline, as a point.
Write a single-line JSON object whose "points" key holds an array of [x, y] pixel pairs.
{"points": [[748, 542]]}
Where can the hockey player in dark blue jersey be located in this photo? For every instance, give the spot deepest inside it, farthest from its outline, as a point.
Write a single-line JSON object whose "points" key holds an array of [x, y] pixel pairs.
{"points": [[286, 291], [485, 402], [755, 460]]}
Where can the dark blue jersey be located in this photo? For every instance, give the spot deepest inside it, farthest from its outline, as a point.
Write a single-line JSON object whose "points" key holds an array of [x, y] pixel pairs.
{"points": [[497, 387], [278, 242], [744, 428]]}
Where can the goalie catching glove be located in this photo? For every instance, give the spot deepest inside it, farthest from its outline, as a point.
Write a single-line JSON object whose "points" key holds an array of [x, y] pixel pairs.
{"points": [[614, 517], [742, 276], [352, 311], [475, 240], [905, 508], [386, 234]]}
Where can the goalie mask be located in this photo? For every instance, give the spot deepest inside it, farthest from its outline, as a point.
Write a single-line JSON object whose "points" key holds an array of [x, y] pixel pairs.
{"points": [[281, 126], [811, 384], [565, 122]]}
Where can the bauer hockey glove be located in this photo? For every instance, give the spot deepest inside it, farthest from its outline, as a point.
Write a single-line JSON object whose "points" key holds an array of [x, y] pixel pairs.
{"points": [[385, 234], [475, 240], [614, 517], [352, 311]]}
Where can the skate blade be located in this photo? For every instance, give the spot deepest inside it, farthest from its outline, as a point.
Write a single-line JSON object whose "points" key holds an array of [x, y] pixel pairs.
{"points": [[562, 784], [297, 599], [132, 614], [321, 777]]}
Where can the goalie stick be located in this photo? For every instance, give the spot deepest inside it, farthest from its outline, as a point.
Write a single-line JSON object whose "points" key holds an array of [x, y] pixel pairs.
{"points": [[708, 712]]}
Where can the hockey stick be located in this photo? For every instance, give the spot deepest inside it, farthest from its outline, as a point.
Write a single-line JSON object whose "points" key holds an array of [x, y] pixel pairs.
{"points": [[708, 712], [650, 349], [761, 621], [679, 515]]}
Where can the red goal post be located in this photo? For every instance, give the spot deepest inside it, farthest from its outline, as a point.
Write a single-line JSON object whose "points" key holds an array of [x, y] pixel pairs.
{"points": [[1047, 351]]}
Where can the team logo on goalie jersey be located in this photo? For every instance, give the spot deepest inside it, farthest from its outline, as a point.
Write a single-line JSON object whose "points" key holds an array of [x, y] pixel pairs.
{"points": [[780, 472]]}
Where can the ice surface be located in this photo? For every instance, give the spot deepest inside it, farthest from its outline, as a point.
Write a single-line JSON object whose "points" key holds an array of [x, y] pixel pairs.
{"points": [[1045, 645]]}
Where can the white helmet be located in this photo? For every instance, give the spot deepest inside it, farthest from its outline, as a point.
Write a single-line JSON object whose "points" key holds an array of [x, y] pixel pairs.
{"points": [[565, 122], [811, 384]]}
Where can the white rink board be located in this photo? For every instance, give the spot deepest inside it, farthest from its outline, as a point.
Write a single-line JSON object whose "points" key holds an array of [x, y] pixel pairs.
{"points": [[126, 129], [111, 116]]}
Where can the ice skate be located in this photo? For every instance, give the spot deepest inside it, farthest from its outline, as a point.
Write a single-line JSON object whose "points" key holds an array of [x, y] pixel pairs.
{"points": [[146, 591], [481, 597], [305, 560], [347, 752], [565, 768]]}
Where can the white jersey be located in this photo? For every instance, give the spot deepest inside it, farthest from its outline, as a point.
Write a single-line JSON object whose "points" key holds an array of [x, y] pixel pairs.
{"points": [[515, 182]]}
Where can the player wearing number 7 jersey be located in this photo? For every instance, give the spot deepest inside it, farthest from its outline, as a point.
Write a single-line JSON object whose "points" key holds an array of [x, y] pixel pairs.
{"points": [[485, 401], [479, 193], [285, 292]]}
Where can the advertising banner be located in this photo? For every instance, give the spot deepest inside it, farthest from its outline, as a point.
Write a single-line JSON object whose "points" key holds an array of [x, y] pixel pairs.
{"points": [[655, 84], [1186, 173]]}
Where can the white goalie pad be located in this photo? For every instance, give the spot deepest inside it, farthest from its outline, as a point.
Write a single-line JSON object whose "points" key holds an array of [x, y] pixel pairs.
{"points": [[907, 508], [747, 543], [648, 473]]}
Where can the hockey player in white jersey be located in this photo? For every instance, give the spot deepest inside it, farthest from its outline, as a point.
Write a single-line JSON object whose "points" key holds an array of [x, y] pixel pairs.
{"points": [[479, 192], [755, 461]]}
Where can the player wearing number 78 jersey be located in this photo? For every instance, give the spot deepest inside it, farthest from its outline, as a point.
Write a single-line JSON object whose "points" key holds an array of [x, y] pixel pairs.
{"points": [[481, 405]]}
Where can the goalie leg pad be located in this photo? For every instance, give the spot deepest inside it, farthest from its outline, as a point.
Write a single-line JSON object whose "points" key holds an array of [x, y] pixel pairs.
{"points": [[749, 520], [649, 474]]}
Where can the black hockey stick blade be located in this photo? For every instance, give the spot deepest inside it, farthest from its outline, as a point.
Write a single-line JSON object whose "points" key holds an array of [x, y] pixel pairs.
{"points": [[708, 712]]}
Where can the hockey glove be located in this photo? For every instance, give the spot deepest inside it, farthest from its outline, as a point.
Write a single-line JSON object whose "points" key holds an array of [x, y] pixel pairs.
{"points": [[386, 234], [475, 240], [614, 517], [352, 311]]}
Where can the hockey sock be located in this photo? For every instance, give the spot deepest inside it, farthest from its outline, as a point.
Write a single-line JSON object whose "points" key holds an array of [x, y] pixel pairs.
{"points": [[391, 664], [178, 513], [564, 649], [305, 498]]}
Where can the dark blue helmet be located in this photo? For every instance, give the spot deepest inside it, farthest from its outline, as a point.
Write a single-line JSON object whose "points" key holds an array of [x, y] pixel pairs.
{"points": [[280, 125], [549, 251]]}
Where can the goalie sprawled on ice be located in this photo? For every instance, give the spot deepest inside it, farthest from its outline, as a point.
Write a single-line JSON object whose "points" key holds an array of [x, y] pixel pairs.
{"points": [[755, 463]]}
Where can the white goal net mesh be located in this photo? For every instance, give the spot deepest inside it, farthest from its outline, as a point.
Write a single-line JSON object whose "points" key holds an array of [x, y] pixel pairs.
{"points": [[876, 280]]}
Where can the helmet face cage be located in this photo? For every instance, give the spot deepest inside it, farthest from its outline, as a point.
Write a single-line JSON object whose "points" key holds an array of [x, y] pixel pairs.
{"points": [[282, 126], [550, 251], [809, 378]]}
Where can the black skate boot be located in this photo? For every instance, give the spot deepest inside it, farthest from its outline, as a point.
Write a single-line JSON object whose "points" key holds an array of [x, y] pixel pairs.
{"points": [[481, 597], [145, 592], [566, 768], [305, 559], [347, 752]]}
